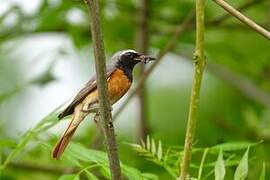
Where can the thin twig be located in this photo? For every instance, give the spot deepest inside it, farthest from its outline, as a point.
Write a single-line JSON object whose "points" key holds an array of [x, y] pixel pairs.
{"points": [[199, 64], [243, 18], [142, 44], [218, 20], [244, 85], [170, 45], [104, 106], [241, 83]]}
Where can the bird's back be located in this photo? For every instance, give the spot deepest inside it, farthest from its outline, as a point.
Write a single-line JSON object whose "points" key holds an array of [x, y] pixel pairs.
{"points": [[90, 86]]}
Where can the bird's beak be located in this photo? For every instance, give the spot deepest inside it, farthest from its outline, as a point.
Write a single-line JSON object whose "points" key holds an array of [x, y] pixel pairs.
{"points": [[144, 58]]}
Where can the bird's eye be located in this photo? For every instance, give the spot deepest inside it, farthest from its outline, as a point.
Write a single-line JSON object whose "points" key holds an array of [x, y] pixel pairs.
{"points": [[129, 54]]}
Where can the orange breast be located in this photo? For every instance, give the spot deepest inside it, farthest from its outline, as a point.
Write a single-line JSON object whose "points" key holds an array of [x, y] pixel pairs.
{"points": [[118, 85]]}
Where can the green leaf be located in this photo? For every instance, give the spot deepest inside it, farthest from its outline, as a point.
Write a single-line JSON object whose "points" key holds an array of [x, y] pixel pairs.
{"points": [[130, 172], [150, 176], [142, 143], [7, 143], [79, 152], [202, 163], [153, 146], [72, 161], [148, 143], [262, 176], [242, 169], [232, 146], [46, 123], [159, 150], [69, 177], [136, 146], [91, 175], [105, 171], [220, 167]]}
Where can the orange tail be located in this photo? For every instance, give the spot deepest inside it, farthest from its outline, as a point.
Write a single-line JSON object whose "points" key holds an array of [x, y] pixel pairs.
{"points": [[64, 140]]}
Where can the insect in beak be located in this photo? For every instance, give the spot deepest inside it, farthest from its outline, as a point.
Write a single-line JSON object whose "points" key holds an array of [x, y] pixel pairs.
{"points": [[144, 58]]}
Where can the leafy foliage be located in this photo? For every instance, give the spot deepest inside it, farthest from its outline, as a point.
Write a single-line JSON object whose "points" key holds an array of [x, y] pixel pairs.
{"points": [[262, 176], [78, 155], [169, 161], [220, 167], [154, 152], [242, 169], [46, 123]]}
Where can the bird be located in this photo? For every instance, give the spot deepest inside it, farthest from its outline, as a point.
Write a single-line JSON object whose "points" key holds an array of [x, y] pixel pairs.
{"points": [[119, 79]]}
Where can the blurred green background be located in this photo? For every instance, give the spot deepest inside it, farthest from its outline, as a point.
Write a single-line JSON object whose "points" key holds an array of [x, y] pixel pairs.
{"points": [[46, 56]]}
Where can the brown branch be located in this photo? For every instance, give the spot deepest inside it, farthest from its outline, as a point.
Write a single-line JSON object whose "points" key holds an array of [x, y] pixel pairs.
{"points": [[243, 18], [244, 6], [142, 46], [104, 106], [170, 45]]}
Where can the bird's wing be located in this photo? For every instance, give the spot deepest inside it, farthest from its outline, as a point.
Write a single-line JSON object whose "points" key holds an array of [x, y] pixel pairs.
{"points": [[88, 88]]}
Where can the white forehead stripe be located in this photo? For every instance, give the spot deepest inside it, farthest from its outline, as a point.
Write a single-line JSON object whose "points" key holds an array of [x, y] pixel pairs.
{"points": [[128, 50]]}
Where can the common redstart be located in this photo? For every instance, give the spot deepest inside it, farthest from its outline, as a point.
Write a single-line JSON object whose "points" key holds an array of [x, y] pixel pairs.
{"points": [[119, 79]]}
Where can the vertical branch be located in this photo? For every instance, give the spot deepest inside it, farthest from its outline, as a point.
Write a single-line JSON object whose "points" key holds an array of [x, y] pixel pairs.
{"points": [[142, 44], [199, 63], [105, 109]]}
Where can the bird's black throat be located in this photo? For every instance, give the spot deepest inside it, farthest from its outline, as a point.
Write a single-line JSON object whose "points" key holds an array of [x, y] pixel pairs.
{"points": [[127, 67]]}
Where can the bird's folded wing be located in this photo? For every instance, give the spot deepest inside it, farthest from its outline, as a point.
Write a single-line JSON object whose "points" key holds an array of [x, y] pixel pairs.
{"points": [[90, 86]]}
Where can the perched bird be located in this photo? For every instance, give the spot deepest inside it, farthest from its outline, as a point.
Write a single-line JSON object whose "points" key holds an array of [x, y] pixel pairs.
{"points": [[119, 79]]}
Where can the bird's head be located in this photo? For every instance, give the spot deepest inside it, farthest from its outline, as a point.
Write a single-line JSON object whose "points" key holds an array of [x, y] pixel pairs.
{"points": [[129, 58]]}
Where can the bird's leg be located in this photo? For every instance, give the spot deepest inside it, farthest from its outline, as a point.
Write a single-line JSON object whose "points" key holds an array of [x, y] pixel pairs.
{"points": [[96, 117], [91, 107]]}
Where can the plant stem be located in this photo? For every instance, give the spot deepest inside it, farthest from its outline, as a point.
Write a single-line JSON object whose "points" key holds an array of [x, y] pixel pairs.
{"points": [[243, 18], [104, 109], [142, 46], [199, 63]]}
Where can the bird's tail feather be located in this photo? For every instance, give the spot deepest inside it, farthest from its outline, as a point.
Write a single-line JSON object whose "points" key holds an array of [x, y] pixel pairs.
{"points": [[64, 140]]}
